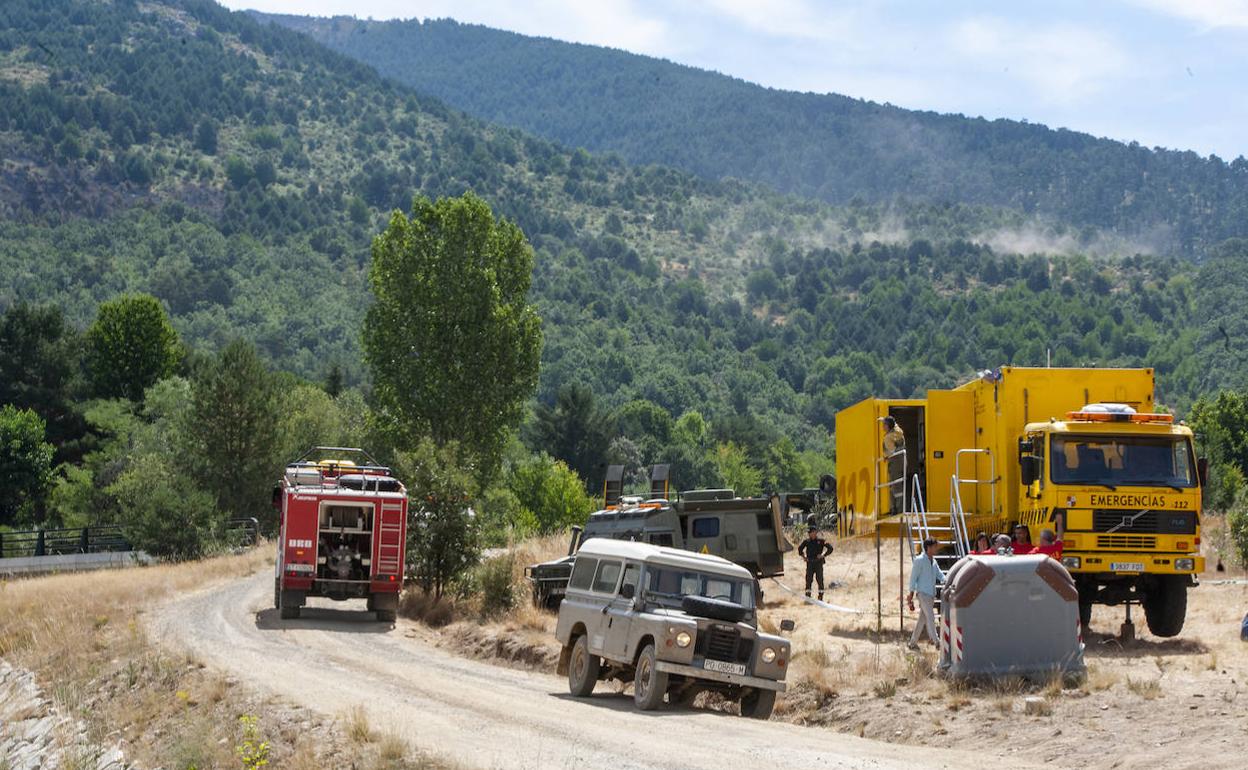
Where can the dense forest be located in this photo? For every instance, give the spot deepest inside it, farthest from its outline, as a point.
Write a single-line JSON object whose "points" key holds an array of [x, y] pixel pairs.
{"points": [[237, 172], [819, 145]]}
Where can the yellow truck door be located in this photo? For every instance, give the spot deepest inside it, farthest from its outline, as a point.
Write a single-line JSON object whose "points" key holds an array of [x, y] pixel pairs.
{"points": [[950, 427]]}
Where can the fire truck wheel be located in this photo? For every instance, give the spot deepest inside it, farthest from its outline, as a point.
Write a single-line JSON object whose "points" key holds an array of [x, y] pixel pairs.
{"points": [[277, 592], [287, 609], [387, 616], [1165, 605]]}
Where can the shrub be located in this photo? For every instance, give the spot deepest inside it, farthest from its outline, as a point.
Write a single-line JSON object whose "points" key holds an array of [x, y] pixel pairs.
{"points": [[498, 593], [1237, 527]]}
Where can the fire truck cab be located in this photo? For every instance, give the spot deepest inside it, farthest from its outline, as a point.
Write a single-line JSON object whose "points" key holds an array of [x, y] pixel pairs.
{"points": [[342, 532]]}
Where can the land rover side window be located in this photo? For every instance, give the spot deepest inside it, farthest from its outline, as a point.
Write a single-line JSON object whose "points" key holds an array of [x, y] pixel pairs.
{"points": [[707, 527], [668, 585], [608, 575], [632, 572], [1154, 461], [583, 573]]}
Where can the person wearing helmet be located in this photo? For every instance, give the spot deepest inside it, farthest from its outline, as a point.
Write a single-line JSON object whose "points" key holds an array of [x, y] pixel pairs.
{"points": [[814, 549]]}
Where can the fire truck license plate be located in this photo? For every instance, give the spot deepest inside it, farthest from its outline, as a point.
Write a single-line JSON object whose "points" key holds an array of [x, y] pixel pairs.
{"points": [[1126, 566], [724, 668]]}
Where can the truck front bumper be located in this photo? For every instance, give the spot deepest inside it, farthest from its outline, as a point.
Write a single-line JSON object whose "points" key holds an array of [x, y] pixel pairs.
{"points": [[715, 676]]}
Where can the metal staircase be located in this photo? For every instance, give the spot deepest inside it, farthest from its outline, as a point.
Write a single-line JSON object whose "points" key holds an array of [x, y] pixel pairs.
{"points": [[949, 529]]}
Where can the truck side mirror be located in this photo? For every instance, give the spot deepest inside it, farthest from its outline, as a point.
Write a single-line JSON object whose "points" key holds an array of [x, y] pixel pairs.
{"points": [[1028, 463], [1202, 470]]}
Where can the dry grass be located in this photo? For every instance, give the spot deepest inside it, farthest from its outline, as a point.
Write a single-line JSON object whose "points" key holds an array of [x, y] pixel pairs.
{"points": [[93, 658], [1148, 689], [358, 728]]}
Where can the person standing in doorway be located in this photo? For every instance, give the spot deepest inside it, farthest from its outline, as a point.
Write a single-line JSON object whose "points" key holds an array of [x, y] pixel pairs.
{"points": [[814, 549], [895, 444], [925, 574]]}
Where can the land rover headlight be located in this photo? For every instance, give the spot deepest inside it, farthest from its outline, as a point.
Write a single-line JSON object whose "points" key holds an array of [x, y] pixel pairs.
{"points": [[1185, 565], [1071, 562], [769, 654], [683, 639]]}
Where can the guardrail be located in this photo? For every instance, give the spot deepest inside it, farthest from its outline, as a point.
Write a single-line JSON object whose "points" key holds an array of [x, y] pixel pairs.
{"points": [[102, 539]]}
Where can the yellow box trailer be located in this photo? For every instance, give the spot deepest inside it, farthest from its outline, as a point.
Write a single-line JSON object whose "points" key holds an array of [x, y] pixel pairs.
{"points": [[1074, 449]]}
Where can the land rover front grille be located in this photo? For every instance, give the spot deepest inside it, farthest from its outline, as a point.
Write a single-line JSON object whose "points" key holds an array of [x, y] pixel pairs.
{"points": [[724, 643]]}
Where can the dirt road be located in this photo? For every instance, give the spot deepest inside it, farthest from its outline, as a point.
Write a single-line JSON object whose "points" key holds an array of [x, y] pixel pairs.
{"points": [[482, 715]]}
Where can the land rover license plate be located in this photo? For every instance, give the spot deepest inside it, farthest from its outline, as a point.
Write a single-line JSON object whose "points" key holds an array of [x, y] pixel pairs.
{"points": [[724, 668], [1126, 566]]}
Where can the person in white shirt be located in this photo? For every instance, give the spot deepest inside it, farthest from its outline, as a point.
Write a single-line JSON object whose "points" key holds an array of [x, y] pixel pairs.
{"points": [[924, 575]]}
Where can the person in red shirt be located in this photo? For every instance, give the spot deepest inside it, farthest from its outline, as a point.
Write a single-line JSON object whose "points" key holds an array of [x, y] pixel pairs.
{"points": [[1022, 540], [1050, 545], [983, 546]]}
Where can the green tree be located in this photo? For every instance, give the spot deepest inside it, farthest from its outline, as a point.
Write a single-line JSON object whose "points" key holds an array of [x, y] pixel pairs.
{"points": [[451, 339], [159, 512], [735, 471], [130, 346], [39, 357], [551, 492], [1221, 425], [233, 430], [443, 540], [25, 465], [574, 430], [311, 417], [206, 137], [783, 469]]}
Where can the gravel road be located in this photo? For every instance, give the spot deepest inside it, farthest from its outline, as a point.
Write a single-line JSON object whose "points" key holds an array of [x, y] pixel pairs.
{"points": [[334, 658]]}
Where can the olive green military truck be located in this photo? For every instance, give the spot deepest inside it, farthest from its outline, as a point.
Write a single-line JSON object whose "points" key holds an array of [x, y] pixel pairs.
{"points": [[748, 531]]}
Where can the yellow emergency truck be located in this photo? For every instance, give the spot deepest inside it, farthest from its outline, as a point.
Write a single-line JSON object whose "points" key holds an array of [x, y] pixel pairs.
{"points": [[1080, 448]]}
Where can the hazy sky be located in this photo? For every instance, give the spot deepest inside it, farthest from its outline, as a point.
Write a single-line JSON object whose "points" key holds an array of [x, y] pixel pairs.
{"points": [[1172, 73]]}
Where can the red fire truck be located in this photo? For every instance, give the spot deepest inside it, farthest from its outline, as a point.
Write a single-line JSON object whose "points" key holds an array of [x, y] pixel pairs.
{"points": [[343, 531]]}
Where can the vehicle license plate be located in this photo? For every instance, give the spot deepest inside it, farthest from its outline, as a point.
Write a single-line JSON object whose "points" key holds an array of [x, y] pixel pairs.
{"points": [[1126, 566], [724, 668]]}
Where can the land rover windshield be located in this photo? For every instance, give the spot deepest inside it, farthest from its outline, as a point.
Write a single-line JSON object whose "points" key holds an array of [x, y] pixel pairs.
{"points": [[666, 586], [1111, 461]]}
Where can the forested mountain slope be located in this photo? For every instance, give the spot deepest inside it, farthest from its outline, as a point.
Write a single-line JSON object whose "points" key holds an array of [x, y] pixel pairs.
{"points": [[237, 171], [819, 145]]}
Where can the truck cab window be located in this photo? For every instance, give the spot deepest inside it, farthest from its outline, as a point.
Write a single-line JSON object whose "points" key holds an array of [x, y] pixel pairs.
{"points": [[706, 527]]}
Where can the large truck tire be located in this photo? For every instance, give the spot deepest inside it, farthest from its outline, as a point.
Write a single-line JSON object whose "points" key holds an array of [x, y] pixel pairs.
{"points": [[385, 605], [1165, 605], [287, 605], [1087, 592]]}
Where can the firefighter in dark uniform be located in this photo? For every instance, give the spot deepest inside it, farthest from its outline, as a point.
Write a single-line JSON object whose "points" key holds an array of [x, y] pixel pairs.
{"points": [[814, 550]]}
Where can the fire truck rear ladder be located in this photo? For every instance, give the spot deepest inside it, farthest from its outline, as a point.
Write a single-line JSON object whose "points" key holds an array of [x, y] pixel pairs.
{"points": [[390, 539]]}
